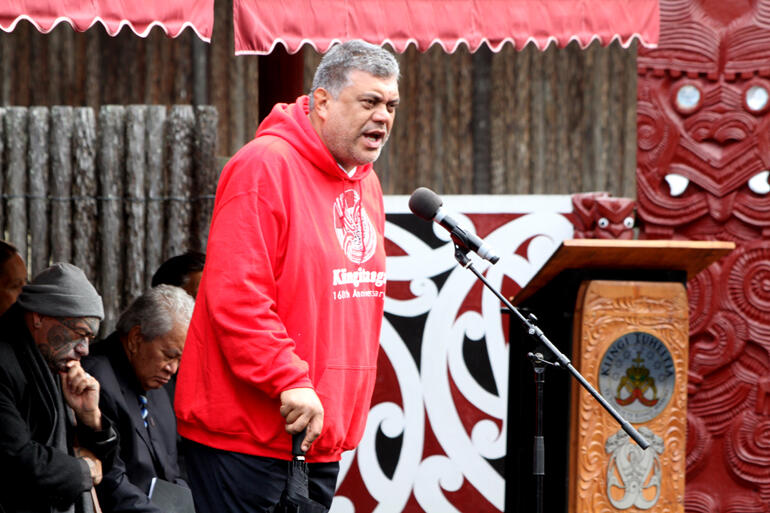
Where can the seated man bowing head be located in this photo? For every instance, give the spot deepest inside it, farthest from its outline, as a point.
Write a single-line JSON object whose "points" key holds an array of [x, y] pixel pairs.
{"points": [[132, 364], [54, 441]]}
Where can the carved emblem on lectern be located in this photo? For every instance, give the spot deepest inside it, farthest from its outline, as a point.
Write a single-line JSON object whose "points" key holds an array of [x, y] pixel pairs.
{"points": [[637, 384], [637, 376], [633, 474]]}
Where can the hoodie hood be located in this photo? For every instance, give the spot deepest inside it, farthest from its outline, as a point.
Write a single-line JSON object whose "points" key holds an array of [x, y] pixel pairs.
{"points": [[291, 123]]}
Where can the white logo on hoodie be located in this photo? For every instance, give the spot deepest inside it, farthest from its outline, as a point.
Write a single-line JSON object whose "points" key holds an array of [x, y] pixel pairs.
{"points": [[354, 229]]}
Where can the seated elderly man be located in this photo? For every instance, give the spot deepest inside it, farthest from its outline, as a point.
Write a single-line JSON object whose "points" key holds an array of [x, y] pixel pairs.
{"points": [[132, 365], [54, 440], [184, 271]]}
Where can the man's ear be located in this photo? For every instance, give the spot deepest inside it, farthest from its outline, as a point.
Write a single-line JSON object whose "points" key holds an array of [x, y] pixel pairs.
{"points": [[134, 339], [36, 320], [321, 99]]}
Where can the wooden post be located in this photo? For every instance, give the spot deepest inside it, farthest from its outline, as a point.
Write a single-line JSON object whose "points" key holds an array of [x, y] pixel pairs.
{"points": [[3, 171], [38, 189], [155, 187], [61, 184], [136, 166], [482, 62], [16, 178], [93, 72], [237, 103], [180, 148], [521, 168], [199, 71], [84, 243], [537, 128], [6, 68], [111, 169], [206, 175]]}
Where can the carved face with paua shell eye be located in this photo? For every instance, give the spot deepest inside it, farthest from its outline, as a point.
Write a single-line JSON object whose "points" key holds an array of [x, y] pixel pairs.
{"points": [[703, 123]]}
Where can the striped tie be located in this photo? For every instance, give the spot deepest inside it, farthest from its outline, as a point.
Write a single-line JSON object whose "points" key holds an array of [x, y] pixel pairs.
{"points": [[143, 408]]}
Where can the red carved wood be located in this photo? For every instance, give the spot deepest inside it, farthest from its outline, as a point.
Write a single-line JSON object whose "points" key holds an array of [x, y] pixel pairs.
{"points": [[599, 216], [703, 157]]}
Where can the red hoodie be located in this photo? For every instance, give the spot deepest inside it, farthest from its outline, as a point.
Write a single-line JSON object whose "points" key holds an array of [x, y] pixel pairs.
{"points": [[292, 296]]}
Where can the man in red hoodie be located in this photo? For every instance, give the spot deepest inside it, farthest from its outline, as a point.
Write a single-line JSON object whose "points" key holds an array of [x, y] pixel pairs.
{"points": [[285, 332]]}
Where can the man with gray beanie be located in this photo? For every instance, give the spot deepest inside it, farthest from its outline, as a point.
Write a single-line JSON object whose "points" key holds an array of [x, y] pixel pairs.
{"points": [[54, 441]]}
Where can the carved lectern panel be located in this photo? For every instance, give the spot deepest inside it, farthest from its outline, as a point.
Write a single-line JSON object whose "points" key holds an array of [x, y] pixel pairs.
{"points": [[703, 121], [631, 341]]}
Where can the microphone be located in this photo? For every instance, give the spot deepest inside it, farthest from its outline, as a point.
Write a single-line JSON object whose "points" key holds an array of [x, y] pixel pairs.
{"points": [[426, 204]]}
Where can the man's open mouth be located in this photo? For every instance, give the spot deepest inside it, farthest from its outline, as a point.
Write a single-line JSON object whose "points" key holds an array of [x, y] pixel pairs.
{"points": [[375, 136]]}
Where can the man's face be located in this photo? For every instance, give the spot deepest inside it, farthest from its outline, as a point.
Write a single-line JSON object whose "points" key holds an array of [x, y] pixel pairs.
{"points": [[13, 276], [156, 360], [63, 339], [357, 124]]}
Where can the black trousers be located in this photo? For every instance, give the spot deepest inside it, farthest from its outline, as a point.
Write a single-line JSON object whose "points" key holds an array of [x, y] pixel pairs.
{"points": [[231, 482]]}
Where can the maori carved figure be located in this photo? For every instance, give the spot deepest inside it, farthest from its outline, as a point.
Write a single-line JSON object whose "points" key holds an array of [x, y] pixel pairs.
{"points": [[598, 216], [703, 115], [633, 472]]}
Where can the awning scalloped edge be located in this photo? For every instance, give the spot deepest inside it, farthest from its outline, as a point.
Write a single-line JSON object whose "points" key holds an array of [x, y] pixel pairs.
{"points": [[401, 47], [112, 28]]}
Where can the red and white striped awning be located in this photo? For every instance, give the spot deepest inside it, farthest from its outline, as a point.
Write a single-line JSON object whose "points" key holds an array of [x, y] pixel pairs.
{"points": [[262, 24], [173, 16]]}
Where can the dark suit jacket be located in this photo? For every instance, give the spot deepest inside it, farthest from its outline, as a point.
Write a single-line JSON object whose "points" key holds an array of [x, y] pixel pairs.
{"points": [[37, 472], [144, 453]]}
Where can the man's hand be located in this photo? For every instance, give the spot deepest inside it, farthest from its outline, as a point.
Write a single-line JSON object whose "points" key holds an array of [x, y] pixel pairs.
{"points": [[81, 391], [94, 464], [302, 409]]}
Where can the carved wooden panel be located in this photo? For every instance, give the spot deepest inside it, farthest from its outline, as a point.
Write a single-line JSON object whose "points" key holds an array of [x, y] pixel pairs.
{"points": [[631, 342], [703, 166], [599, 216]]}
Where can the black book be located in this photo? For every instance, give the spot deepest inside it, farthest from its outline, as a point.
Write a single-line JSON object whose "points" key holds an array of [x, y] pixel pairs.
{"points": [[171, 497]]}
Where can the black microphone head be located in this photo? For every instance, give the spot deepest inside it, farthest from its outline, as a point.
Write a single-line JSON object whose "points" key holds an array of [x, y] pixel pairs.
{"points": [[424, 203]]}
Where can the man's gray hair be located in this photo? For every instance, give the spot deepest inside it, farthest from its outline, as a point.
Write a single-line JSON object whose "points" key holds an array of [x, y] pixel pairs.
{"points": [[333, 73], [156, 311]]}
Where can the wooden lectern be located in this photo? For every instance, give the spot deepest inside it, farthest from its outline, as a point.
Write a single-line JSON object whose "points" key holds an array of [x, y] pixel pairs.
{"points": [[619, 307]]}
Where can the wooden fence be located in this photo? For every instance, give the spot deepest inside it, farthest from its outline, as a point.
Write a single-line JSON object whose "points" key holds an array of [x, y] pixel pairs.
{"points": [[92, 69], [557, 121], [114, 193]]}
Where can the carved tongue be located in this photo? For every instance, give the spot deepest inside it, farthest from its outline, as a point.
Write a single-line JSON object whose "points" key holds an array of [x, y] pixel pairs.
{"points": [[721, 208]]}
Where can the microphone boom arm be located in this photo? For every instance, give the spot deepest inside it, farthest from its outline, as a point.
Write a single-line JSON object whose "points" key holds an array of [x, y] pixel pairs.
{"points": [[461, 255]]}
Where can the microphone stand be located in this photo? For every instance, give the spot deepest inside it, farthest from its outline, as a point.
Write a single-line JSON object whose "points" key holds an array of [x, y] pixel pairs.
{"points": [[539, 364]]}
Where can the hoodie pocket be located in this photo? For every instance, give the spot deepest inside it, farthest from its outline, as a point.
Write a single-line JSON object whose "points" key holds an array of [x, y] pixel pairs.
{"points": [[346, 394]]}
